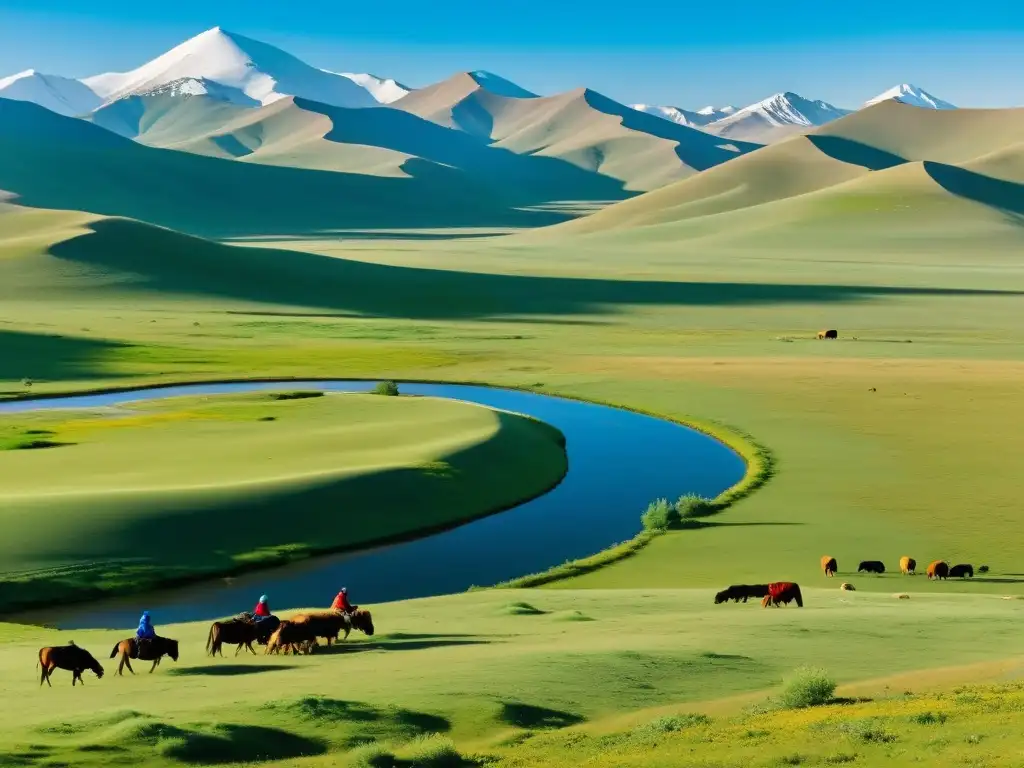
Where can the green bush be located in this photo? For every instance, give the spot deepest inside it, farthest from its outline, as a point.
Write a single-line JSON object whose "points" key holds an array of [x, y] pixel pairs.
{"points": [[371, 756], [692, 507], [929, 718], [433, 752], [868, 731], [386, 388], [807, 687], [670, 724], [659, 516]]}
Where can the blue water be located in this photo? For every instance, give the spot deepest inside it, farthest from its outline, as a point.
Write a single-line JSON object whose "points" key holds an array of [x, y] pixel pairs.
{"points": [[619, 461]]}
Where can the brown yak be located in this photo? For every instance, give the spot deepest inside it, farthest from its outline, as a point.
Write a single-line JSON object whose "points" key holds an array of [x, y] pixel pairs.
{"points": [[153, 651], [829, 565], [329, 624], [69, 657], [783, 593], [830, 334], [292, 636], [908, 565], [938, 570], [240, 632]]}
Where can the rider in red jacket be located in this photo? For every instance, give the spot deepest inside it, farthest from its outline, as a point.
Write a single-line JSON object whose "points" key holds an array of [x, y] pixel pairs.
{"points": [[262, 610], [341, 602]]}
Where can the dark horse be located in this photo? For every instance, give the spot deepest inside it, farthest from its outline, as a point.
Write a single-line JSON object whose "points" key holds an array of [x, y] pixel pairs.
{"points": [[242, 632], [153, 650], [69, 657]]}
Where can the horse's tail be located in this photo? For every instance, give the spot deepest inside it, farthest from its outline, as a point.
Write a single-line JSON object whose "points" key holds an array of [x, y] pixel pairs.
{"points": [[798, 596], [211, 640], [117, 647]]}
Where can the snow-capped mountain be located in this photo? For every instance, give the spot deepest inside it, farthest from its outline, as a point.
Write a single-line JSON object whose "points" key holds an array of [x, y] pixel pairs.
{"points": [[197, 86], [385, 91], [691, 118], [788, 108], [255, 70], [912, 95], [58, 94]]}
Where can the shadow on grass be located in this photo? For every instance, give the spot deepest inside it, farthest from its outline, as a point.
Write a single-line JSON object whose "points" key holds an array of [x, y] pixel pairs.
{"points": [[38, 356], [533, 717], [237, 744], [409, 645], [171, 263], [229, 670], [324, 711]]}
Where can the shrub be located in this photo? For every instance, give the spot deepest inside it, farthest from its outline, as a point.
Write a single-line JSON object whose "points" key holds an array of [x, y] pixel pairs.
{"points": [[692, 507], [386, 388], [434, 752], [671, 724], [868, 731], [929, 718], [297, 395], [659, 516], [371, 756], [807, 687]]}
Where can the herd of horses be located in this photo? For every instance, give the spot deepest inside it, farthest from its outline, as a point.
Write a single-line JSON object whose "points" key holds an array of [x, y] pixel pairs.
{"points": [[786, 592], [295, 635]]}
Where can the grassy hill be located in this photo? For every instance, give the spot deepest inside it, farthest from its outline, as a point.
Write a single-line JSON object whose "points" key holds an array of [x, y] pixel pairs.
{"points": [[132, 497]]}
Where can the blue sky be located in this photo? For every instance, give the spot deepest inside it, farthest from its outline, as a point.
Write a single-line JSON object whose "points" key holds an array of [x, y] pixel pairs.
{"points": [[667, 52]]}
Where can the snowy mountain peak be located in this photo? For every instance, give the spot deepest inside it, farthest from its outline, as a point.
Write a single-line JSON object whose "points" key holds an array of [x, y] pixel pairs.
{"points": [[786, 109], [58, 94], [258, 71], [680, 116], [385, 91], [906, 93], [713, 111]]}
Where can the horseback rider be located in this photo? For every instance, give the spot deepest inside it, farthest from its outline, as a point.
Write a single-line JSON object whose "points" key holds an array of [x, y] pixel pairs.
{"points": [[341, 602], [262, 610], [144, 635]]}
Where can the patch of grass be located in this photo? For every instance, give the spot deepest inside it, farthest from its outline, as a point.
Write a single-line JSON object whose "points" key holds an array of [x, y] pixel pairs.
{"points": [[521, 609], [807, 687], [433, 752], [386, 388], [372, 756], [297, 395], [670, 724], [572, 616], [868, 731], [929, 718]]}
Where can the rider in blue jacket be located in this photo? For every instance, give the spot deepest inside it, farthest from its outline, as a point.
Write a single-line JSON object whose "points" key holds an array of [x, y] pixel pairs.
{"points": [[144, 634]]}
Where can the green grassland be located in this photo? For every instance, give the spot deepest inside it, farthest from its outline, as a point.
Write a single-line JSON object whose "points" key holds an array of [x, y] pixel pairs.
{"points": [[125, 497], [493, 670]]}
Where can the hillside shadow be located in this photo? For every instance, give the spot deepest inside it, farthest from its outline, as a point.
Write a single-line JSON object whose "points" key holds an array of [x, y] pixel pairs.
{"points": [[326, 711], [855, 153], [38, 356], [383, 645], [532, 717], [1004, 196], [229, 743], [170, 263], [229, 670]]}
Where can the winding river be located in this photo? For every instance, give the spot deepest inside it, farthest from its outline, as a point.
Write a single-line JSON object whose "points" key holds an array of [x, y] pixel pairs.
{"points": [[618, 462]]}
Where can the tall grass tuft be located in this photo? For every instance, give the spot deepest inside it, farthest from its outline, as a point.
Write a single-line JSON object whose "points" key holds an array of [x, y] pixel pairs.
{"points": [[433, 752], [807, 687], [659, 516], [693, 507]]}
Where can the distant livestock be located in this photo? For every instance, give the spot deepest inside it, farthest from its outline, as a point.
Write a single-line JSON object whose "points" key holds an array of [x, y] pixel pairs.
{"points": [[70, 657], [908, 565], [938, 570], [742, 592], [830, 334], [783, 593], [871, 566], [983, 569], [829, 565], [847, 587], [961, 571], [902, 596]]}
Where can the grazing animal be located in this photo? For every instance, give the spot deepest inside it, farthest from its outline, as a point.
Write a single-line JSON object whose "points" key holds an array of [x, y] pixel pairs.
{"points": [[830, 334], [293, 636], [938, 570], [742, 592], [783, 593], [902, 596], [240, 632], [983, 569], [847, 587], [961, 571], [829, 565], [871, 566], [908, 565], [153, 651], [70, 657]]}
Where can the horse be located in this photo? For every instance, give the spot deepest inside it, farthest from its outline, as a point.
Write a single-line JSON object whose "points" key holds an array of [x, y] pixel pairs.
{"points": [[329, 624], [69, 657], [153, 651], [293, 636], [829, 565], [240, 632]]}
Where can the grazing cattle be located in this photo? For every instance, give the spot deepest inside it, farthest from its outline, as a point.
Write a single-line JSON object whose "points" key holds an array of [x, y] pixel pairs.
{"points": [[240, 632], [293, 636], [961, 571], [902, 596], [829, 565], [153, 651], [830, 334], [742, 592], [847, 587], [70, 657], [783, 593], [983, 569], [325, 624], [938, 570], [871, 566], [908, 565]]}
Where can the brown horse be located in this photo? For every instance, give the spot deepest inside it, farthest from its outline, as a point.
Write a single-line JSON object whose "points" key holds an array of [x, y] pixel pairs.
{"points": [[69, 657], [293, 636], [330, 624], [240, 632], [153, 651], [829, 565]]}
